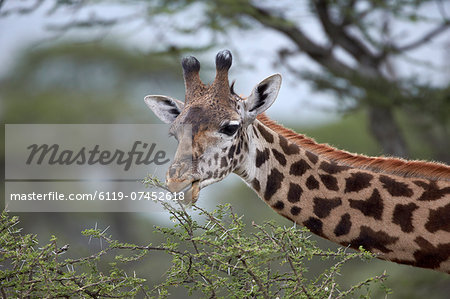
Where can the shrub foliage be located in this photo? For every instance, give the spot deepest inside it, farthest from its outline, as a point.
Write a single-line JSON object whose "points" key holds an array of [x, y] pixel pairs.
{"points": [[213, 254]]}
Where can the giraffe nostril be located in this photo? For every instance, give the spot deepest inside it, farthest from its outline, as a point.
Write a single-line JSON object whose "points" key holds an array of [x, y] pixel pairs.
{"points": [[172, 171], [180, 172]]}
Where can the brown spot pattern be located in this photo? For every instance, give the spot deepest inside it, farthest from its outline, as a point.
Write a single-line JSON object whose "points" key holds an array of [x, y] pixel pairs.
{"points": [[424, 169], [332, 167], [329, 181], [299, 168], [294, 193], [312, 183], [402, 216], [431, 191], [256, 185], [372, 207], [279, 205], [288, 149], [312, 157], [279, 156], [357, 181], [238, 147], [314, 225], [370, 240], [343, 226], [261, 157], [231, 151], [265, 134], [394, 187], [430, 256], [439, 219], [295, 210], [255, 131], [273, 183], [245, 146], [323, 206], [223, 162]]}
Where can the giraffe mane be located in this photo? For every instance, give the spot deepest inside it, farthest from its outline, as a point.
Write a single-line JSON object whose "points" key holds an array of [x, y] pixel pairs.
{"points": [[397, 166]]}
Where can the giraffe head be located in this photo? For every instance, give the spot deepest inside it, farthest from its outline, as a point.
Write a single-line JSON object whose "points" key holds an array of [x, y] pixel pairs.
{"points": [[210, 125]]}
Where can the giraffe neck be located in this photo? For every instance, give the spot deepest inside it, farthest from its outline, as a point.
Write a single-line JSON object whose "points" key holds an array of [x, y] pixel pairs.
{"points": [[403, 219]]}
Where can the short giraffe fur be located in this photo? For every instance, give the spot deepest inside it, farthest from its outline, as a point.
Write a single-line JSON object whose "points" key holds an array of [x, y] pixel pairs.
{"points": [[396, 208]]}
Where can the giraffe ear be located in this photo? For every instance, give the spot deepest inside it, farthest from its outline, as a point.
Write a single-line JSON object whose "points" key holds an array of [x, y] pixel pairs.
{"points": [[262, 96], [165, 108]]}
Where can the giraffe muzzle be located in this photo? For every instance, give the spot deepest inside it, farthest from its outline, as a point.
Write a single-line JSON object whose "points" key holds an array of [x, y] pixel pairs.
{"points": [[190, 188]]}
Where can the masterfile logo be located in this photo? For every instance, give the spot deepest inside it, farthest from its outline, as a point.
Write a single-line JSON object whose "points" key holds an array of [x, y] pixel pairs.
{"points": [[87, 151], [85, 168], [140, 153]]}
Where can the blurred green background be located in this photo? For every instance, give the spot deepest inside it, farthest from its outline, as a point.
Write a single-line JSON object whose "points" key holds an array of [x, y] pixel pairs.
{"points": [[93, 62]]}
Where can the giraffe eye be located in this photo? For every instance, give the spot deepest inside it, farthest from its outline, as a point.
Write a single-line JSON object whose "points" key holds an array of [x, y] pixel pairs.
{"points": [[229, 129]]}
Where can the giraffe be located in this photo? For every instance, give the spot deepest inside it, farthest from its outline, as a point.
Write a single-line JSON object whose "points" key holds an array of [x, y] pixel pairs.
{"points": [[395, 208]]}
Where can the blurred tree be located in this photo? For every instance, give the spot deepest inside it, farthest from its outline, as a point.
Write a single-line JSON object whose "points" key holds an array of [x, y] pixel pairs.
{"points": [[357, 53], [76, 80], [90, 84]]}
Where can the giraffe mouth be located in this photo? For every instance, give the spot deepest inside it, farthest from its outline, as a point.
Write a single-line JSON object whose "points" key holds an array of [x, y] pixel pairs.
{"points": [[192, 192], [189, 188]]}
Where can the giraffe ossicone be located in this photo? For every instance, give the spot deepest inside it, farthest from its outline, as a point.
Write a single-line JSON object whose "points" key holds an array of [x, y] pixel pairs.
{"points": [[396, 208]]}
